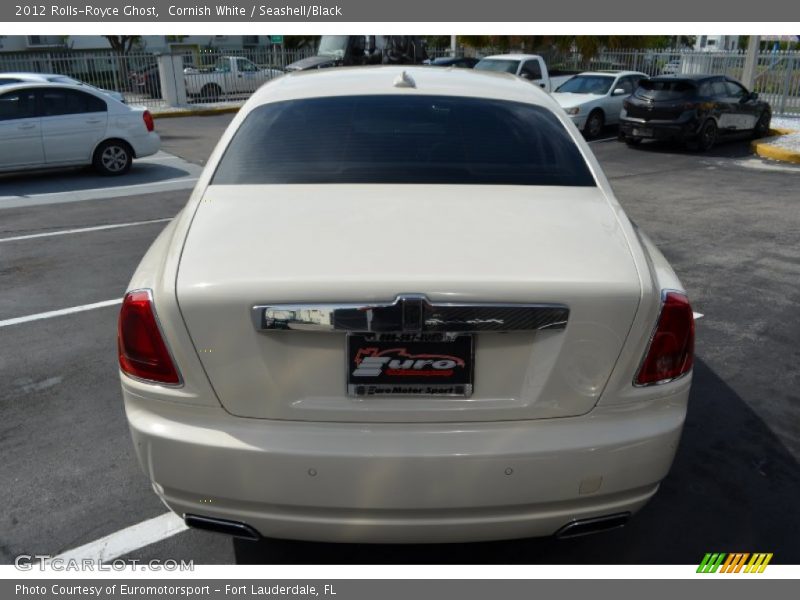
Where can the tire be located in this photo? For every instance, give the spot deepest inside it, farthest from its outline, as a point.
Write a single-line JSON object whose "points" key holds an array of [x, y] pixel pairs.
{"points": [[594, 124], [632, 141], [211, 92], [706, 138], [762, 125], [112, 158]]}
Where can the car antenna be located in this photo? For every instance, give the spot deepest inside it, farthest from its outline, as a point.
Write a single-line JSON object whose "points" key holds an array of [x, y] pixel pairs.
{"points": [[404, 80]]}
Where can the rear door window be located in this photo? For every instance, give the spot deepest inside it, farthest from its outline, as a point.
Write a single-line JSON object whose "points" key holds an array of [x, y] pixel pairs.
{"points": [[719, 89], [402, 139], [57, 102]]}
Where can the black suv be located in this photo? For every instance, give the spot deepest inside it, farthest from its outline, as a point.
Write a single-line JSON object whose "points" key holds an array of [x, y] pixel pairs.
{"points": [[696, 109]]}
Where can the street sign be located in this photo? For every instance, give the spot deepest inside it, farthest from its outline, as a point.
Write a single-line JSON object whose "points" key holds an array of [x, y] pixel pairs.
{"points": [[276, 39]]}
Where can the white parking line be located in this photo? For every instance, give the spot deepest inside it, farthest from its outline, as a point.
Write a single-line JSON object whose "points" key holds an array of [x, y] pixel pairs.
{"points": [[698, 315], [81, 230], [129, 539], [58, 313], [602, 140]]}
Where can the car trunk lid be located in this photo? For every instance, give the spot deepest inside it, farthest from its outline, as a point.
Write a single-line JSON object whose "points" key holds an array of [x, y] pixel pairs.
{"points": [[264, 245]]}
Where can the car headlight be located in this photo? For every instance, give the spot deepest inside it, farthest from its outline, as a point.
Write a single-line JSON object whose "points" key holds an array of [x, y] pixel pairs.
{"points": [[573, 111]]}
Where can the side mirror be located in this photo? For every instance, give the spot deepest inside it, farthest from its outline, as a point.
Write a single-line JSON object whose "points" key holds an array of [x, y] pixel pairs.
{"points": [[619, 92], [754, 95], [525, 75]]}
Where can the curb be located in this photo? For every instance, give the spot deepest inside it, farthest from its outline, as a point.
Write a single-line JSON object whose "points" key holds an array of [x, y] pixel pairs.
{"points": [[198, 112], [764, 149]]}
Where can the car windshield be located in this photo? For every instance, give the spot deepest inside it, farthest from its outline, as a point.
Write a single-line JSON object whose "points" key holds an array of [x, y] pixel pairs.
{"points": [[597, 85], [333, 45], [402, 139], [493, 64]]}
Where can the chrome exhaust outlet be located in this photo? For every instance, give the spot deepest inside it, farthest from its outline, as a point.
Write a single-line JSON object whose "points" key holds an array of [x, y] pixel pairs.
{"points": [[232, 528], [583, 527]]}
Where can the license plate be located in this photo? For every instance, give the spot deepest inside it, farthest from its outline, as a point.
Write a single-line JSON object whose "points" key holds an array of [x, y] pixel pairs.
{"points": [[642, 132], [409, 365]]}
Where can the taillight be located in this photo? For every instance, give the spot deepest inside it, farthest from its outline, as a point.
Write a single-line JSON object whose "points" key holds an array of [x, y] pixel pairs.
{"points": [[691, 105], [671, 350], [148, 120], [142, 351]]}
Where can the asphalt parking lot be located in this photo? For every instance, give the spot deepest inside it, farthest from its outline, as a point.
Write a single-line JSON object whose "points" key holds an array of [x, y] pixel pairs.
{"points": [[728, 222]]}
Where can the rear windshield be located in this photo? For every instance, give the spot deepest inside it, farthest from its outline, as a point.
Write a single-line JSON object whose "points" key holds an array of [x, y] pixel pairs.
{"points": [[665, 89], [402, 139]]}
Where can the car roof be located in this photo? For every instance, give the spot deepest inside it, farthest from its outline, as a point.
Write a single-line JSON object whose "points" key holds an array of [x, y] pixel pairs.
{"points": [[511, 56], [8, 87], [685, 77], [384, 80], [34, 76], [613, 73]]}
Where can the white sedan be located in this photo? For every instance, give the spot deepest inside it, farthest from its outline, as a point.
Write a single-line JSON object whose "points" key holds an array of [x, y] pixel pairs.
{"points": [[46, 125], [594, 99], [403, 305], [6, 78]]}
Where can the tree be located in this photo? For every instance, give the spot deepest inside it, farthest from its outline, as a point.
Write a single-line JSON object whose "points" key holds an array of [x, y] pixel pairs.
{"points": [[122, 44]]}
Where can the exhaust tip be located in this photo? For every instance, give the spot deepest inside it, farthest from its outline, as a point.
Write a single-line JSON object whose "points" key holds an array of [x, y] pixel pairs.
{"points": [[583, 527], [232, 528]]}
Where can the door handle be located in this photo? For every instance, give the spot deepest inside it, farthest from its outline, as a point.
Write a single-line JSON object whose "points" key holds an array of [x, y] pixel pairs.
{"points": [[26, 126], [93, 120]]}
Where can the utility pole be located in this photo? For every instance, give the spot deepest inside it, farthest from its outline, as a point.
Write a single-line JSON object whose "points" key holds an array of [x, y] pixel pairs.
{"points": [[453, 46], [750, 60]]}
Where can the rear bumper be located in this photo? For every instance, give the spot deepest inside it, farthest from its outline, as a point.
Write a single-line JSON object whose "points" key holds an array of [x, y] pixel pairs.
{"points": [[146, 145], [678, 130], [404, 483]]}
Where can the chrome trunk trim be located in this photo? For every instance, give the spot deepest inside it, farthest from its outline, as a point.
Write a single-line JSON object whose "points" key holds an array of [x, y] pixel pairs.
{"points": [[409, 313]]}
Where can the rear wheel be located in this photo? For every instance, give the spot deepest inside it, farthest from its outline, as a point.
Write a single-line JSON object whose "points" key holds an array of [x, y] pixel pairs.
{"points": [[594, 124], [113, 157], [762, 126], [706, 138], [211, 92]]}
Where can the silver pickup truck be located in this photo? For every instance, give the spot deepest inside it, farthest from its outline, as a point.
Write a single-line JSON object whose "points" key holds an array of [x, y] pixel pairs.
{"points": [[230, 75]]}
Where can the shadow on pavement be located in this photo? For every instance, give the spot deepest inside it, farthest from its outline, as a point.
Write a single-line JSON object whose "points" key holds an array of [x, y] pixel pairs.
{"points": [[733, 487], [738, 147], [142, 172]]}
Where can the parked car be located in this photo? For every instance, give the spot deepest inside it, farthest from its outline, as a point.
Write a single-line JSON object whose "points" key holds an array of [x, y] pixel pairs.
{"points": [[463, 62], [229, 75], [454, 334], [59, 125], [6, 78], [695, 109], [147, 81], [528, 66], [672, 67], [594, 99]]}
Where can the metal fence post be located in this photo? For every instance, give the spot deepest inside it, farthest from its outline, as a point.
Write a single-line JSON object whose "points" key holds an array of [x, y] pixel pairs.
{"points": [[786, 84]]}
